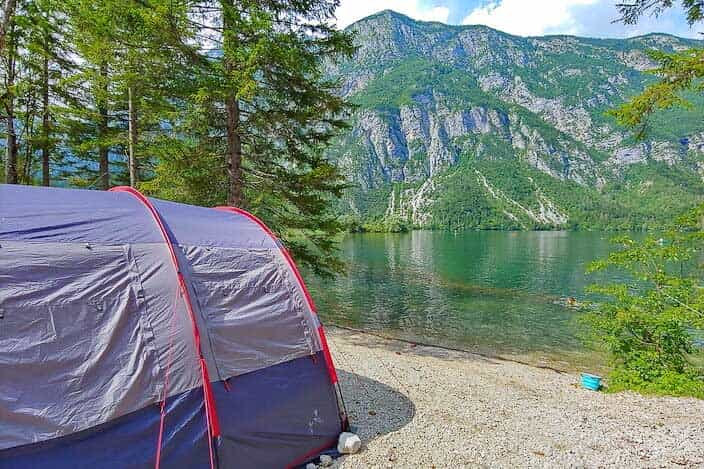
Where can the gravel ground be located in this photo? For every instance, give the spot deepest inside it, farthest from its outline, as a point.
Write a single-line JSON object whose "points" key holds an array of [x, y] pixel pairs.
{"points": [[417, 406]]}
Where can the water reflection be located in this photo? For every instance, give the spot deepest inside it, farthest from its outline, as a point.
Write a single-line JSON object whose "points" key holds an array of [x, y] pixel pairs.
{"points": [[492, 292]]}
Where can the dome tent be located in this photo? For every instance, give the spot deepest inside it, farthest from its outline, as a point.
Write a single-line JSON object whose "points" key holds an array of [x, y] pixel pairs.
{"points": [[136, 332]]}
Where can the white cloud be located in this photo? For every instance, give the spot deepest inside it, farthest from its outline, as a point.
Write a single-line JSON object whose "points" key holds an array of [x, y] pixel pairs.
{"points": [[529, 18], [350, 11]]}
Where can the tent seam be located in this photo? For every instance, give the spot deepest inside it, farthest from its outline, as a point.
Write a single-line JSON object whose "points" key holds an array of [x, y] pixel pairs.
{"points": [[211, 414]]}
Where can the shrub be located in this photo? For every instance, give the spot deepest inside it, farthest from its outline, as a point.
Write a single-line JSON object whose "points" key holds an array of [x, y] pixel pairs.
{"points": [[648, 325]]}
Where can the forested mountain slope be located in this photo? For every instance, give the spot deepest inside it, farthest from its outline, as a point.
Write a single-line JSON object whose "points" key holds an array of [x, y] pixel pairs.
{"points": [[469, 127]]}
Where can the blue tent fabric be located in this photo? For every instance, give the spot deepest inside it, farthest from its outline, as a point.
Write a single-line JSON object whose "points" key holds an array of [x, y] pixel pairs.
{"points": [[72, 216], [81, 216], [194, 226], [260, 415], [94, 331], [126, 442]]}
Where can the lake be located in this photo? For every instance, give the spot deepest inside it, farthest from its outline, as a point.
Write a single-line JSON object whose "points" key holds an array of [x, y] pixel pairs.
{"points": [[496, 293]]}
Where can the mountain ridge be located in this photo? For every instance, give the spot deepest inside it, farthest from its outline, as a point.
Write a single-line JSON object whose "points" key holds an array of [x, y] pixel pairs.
{"points": [[448, 108], [390, 12]]}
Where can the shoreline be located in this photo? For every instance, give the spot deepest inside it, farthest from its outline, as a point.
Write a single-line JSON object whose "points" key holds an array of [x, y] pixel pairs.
{"points": [[425, 406], [414, 343]]}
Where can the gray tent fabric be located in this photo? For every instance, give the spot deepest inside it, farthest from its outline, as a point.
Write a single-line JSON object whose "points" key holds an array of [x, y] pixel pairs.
{"points": [[92, 320], [195, 226], [74, 325], [68, 216], [255, 318]]}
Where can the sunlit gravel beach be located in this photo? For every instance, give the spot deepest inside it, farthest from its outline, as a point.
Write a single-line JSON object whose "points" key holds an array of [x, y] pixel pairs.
{"points": [[416, 406]]}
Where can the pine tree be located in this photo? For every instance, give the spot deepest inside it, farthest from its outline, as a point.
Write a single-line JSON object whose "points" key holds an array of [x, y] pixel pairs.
{"points": [[34, 56], [88, 112], [48, 59], [260, 117], [145, 79], [127, 88]]}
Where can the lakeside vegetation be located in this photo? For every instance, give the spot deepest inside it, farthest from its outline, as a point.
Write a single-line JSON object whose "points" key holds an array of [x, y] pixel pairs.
{"points": [[649, 328]]}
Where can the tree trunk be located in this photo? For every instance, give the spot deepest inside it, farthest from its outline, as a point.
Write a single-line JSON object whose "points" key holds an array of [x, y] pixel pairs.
{"points": [[11, 143], [8, 12], [25, 175], [232, 107], [132, 140], [103, 149], [234, 151], [11, 150], [46, 177]]}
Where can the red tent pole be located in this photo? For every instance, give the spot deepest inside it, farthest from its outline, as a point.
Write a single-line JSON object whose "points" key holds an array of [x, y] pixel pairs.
{"points": [[208, 399]]}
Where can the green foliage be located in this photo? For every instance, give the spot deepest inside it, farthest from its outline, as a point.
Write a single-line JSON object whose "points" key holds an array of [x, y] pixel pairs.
{"points": [[394, 224], [272, 111], [679, 71], [31, 62], [648, 325], [633, 10], [405, 79], [649, 194], [221, 102], [387, 225]]}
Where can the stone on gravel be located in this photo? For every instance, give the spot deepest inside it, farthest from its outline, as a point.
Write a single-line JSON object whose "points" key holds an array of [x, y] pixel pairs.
{"points": [[310, 465], [325, 460], [349, 443]]}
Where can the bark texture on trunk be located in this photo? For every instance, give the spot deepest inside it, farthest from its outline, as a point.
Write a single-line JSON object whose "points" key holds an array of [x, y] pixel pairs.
{"points": [[11, 150], [232, 107], [234, 152], [103, 149], [8, 11], [46, 177], [11, 176], [132, 139]]}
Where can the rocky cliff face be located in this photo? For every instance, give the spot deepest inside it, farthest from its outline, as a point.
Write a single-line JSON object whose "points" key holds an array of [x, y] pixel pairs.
{"points": [[443, 109]]}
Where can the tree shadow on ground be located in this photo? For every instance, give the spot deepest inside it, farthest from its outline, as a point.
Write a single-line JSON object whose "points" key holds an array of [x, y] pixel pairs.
{"points": [[374, 408]]}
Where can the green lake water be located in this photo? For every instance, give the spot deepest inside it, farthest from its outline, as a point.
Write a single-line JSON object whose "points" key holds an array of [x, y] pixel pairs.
{"points": [[497, 293]]}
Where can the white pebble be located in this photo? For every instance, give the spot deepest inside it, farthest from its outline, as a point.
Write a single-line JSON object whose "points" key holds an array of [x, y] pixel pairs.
{"points": [[325, 460], [348, 443]]}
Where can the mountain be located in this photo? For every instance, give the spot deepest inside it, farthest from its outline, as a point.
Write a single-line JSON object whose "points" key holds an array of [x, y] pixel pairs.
{"points": [[469, 127]]}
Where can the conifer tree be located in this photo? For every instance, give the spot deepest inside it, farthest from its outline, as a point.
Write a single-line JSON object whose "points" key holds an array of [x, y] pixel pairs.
{"points": [[47, 59], [33, 60], [86, 114], [127, 88], [259, 118]]}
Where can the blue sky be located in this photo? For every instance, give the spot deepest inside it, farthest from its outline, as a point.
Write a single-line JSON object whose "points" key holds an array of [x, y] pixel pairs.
{"points": [[591, 18]]}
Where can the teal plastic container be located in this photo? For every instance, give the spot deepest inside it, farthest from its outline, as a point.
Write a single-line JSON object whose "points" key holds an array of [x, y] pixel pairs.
{"points": [[592, 382]]}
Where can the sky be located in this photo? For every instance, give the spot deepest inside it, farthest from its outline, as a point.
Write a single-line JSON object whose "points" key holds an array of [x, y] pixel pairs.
{"points": [[592, 18]]}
